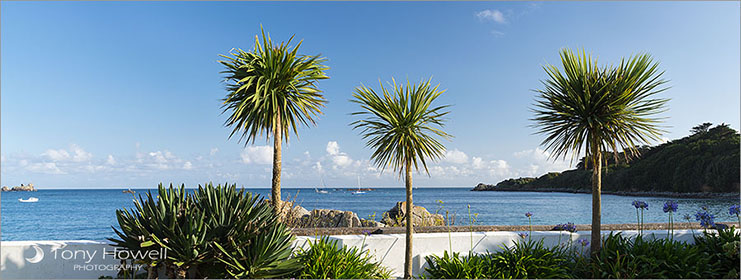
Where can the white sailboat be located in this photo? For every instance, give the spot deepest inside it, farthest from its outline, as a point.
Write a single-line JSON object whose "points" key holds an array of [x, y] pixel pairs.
{"points": [[358, 191], [322, 190]]}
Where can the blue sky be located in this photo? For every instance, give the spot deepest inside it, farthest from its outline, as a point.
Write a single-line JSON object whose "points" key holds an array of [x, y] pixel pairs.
{"points": [[127, 94]]}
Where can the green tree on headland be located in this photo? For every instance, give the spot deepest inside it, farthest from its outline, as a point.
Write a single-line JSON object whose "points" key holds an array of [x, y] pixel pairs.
{"points": [[401, 126], [593, 109], [701, 128], [272, 90]]}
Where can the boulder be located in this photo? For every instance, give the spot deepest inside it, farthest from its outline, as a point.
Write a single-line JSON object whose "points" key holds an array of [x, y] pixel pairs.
{"points": [[330, 218], [420, 216], [371, 223], [21, 188], [5, 189]]}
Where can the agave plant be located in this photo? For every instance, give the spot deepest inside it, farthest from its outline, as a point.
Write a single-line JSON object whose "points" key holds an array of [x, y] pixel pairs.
{"points": [[272, 90], [215, 232]]}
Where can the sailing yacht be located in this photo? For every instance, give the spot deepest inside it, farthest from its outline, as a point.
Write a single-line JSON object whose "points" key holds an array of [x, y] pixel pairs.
{"points": [[323, 187], [358, 191]]}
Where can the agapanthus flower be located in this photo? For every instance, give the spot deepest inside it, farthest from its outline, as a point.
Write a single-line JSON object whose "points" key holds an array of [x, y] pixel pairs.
{"points": [[583, 242], [522, 234], [528, 214], [670, 206], [734, 210], [570, 227], [706, 219], [687, 217], [640, 204], [366, 232]]}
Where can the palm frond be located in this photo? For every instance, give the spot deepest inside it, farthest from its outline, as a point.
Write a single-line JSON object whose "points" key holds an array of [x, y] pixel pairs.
{"points": [[401, 124], [592, 109], [271, 83]]}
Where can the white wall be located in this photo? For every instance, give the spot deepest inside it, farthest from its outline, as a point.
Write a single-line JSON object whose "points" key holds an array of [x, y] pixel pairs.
{"points": [[85, 259]]}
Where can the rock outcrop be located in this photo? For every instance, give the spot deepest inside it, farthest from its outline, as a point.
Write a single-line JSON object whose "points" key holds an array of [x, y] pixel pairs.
{"points": [[21, 188], [483, 187], [327, 218], [420, 216]]}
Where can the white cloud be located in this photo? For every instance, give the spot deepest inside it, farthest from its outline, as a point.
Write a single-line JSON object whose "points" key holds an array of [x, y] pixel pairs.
{"points": [[333, 148], [187, 165], [477, 163], [492, 15], [75, 153], [342, 160], [45, 167], [539, 162], [455, 156], [111, 160], [213, 151], [257, 155]]}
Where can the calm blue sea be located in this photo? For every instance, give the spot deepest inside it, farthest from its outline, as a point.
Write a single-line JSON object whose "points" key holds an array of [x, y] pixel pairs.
{"points": [[89, 214]]}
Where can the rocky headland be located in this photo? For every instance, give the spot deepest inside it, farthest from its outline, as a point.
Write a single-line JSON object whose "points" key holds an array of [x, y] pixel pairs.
{"points": [[21, 188]]}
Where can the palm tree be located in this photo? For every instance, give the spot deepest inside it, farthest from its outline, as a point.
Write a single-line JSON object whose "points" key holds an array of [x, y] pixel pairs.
{"points": [[271, 91], [400, 125], [599, 110]]}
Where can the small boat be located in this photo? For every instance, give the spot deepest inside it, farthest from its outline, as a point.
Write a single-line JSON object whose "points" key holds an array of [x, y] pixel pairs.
{"points": [[30, 199], [323, 187], [358, 191], [128, 191]]}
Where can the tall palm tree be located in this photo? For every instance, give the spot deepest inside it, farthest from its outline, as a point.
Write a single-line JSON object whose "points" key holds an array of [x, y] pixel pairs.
{"points": [[400, 125], [272, 90], [599, 110]]}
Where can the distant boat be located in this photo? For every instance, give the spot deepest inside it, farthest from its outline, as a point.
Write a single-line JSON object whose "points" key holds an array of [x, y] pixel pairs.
{"points": [[323, 187], [128, 191], [358, 191], [30, 199]]}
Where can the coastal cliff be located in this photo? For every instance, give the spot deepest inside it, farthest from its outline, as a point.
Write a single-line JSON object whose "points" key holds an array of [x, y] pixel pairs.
{"points": [[21, 188], [703, 164]]}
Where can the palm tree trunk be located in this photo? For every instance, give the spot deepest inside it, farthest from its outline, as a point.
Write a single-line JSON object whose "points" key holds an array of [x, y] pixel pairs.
{"points": [[277, 141], [596, 201], [410, 224]]}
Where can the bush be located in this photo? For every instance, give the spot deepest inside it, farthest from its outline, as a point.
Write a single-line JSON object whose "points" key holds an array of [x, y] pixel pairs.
{"points": [[723, 251], [326, 260], [216, 232], [527, 259], [621, 257]]}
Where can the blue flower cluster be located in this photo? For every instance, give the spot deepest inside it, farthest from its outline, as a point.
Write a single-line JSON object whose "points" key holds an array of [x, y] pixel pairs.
{"points": [[706, 219], [570, 227], [528, 214], [734, 210], [583, 242], [523, 235], [640, 204], [670, 206]]}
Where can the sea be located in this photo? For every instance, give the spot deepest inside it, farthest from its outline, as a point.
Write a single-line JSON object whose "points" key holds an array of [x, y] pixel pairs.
{"points": [[90, 214]]}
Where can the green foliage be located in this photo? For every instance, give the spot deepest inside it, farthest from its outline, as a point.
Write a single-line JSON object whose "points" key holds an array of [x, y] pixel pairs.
{"points": [[271, 87], [723, 250], [527, 259], [597, 109], [215, 232], [622, 257], [401, 124], [704, 162], [326, 260]]}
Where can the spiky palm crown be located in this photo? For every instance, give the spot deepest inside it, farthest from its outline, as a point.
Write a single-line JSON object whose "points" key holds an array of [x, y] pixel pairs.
{"points": [[599, 109], [400, 124], [271, 81]]}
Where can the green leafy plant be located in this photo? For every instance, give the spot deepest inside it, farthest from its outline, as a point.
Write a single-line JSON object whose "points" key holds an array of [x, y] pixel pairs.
{"points": [[530, 259], [623, 257], [325, 259], [723, 250], [215, 232]]}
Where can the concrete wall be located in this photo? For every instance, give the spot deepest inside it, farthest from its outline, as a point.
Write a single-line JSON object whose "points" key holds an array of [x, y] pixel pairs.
{"points": [[90, 260]]}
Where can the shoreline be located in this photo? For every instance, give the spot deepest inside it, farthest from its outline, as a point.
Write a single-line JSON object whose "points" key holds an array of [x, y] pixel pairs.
{"points": [[620, 193]]}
